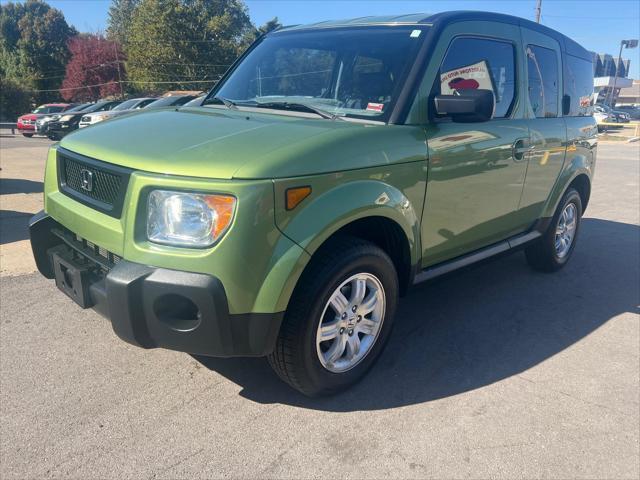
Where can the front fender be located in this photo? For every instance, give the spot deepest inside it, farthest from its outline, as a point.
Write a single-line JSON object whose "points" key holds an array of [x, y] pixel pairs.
{"points": [[395, 192]]}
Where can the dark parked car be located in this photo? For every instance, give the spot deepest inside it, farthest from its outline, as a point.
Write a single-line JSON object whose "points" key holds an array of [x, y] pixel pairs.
{"points": [[69, 122], [631, 110], [42, 123], [172, 101], [616, 115]]}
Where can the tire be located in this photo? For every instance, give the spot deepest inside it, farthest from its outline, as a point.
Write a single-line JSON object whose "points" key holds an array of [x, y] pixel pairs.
{"points": [[545, 255], [297, 354], [28, 135]]}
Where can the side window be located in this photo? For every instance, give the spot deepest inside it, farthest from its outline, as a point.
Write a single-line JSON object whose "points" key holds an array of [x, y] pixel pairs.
{"points": [[475, 63], [542, 65], [578, 86]]}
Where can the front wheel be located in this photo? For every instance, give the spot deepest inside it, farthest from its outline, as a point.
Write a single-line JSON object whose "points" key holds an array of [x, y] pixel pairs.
{"points": [[554, 249], [28, 135], [339, 318]]}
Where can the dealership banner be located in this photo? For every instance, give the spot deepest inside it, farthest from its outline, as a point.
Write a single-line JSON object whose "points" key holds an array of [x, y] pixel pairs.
{"points": [[471, 77]]}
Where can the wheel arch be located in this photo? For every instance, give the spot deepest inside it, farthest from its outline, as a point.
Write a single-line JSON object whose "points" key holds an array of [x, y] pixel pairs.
{"points": [[385, 233], [576, 175], [582, 183]]}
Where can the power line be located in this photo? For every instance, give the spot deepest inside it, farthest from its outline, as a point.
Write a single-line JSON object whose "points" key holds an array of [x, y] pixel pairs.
{"points": [[95, 67], [125, 81], [585, 18]]}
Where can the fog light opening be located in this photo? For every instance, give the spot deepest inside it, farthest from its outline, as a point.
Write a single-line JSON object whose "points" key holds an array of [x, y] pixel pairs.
{"points": [[177, 312]]}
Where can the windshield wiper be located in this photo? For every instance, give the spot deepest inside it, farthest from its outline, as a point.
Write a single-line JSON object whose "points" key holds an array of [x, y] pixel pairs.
{"points": [[299, 107], [227, 103]]}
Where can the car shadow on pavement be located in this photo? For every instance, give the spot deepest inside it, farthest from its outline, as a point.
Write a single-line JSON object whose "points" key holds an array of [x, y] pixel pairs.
{"points": [[14, 226], [479, 326], [9, 186]]}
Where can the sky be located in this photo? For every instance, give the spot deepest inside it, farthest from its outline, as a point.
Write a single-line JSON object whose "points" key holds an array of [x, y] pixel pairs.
{"points": [[598, 25]]}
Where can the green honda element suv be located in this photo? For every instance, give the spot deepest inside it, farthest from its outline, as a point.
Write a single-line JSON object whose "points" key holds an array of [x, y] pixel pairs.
{"points": [[332, 167]]}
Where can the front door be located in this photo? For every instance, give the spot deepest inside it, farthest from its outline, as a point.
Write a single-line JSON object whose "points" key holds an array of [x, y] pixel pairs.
{"points": [[476, 170]]}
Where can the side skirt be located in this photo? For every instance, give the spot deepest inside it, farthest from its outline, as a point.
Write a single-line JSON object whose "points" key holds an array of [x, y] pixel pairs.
{"points": [[505, 246]]}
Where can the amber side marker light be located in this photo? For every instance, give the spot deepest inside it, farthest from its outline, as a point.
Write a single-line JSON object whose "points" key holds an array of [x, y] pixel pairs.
{"points": [[295, 195]]}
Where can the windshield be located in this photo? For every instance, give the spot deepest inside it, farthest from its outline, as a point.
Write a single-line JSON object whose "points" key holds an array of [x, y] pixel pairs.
{"points": [[126, 105], [44, 109], [170, 101], [99, 107], [79, 108], [348, 72]]}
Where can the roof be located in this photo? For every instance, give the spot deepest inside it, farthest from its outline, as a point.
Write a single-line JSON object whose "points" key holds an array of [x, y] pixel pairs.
{"points": [[570, 46], [411, 19]]}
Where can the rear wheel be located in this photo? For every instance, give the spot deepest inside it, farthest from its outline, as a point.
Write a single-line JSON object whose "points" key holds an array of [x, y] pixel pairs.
{"points": [[339, 318], [553, 250], [28, 135]]}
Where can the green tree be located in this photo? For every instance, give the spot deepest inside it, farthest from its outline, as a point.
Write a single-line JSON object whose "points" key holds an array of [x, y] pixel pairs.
{"points": [[14, 100], [171, 43], [119, 22], [256, 33], [33, 46], [269, 26]]}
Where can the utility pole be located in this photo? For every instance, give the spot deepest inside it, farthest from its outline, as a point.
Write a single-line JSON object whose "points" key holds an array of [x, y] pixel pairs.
{"points": [[538, 11], [115, 52], [623, 44]]}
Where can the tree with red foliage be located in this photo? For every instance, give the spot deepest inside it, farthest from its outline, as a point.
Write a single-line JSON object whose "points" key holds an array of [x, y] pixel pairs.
{"points": [[94, 70]]}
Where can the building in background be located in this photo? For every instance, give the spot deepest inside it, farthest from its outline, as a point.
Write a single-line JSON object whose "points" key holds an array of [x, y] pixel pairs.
{"points": [[630, 95], [605, 69]]}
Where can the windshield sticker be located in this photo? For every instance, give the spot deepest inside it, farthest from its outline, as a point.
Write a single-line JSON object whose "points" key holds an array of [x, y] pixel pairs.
{"points": [[471, 77], [375, 107], [415, 33]]}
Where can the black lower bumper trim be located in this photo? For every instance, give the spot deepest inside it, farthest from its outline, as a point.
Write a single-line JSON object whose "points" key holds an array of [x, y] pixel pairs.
{"points": [[155, 307]]}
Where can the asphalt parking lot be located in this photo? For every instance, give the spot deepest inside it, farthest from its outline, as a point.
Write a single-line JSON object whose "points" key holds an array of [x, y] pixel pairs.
{"points": [[494, 372]]}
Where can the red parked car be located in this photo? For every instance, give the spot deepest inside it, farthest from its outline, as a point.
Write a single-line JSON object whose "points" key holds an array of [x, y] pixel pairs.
{"points": [[27, 123]]}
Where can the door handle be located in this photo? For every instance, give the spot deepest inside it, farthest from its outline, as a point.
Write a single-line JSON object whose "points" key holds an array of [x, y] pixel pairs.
{"points": [[520, 148]]}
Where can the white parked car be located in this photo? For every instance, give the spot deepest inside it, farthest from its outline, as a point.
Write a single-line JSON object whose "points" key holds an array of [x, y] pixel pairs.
{"points": [[125, 107], [602, 117]]}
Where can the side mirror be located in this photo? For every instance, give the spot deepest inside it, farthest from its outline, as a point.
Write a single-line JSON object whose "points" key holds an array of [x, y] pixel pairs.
{"points": [[468, 106]]}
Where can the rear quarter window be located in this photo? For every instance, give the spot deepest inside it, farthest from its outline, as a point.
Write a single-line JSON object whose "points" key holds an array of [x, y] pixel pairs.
{"points": [[578, 87]]}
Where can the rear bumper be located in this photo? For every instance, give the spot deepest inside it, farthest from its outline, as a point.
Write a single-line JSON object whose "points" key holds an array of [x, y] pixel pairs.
{"points": [[156, 307]]}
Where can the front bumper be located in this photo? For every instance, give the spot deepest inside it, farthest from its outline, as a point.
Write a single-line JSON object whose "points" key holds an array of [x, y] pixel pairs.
{"points": [[152, 307], [60, 128]]}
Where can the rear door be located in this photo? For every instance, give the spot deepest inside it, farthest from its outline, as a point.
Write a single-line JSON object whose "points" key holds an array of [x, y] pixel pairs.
{"points": [[547, 127]]}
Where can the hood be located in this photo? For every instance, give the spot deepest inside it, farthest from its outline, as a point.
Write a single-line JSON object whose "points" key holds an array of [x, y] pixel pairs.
{"points": [[30, 116], [216, 143]]}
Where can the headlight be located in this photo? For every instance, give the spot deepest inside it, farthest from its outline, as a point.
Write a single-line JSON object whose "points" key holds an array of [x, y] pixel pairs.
{"points": [[66, 118], [188, 219]]}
